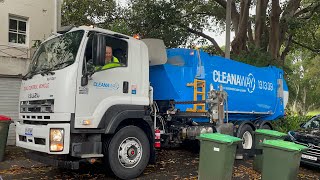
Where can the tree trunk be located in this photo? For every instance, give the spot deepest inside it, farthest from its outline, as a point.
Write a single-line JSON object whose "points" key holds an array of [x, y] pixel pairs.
{"points": [[250, 35], [242, 5], [260, 21], [264, 44], [234, 14], [274, 41], [304, 99], [295, 109], [286, 49], [287, 14], [239, 43], [234, 17]]}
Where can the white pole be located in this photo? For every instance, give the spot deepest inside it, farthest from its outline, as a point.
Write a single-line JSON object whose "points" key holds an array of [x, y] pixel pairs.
{"points": [[55, 23], [57, 15], [59, 3]]}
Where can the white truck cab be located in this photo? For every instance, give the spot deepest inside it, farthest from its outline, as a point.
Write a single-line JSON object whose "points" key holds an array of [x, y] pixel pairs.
{"points": [[68, 107]]}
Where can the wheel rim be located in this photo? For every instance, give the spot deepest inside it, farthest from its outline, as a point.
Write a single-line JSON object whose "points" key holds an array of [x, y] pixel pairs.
{"points": [[247, 140], [130, 152]]}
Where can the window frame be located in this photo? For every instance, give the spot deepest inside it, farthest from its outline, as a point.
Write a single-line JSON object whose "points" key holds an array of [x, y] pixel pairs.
{"points": [[18, 19], [122, 65]]}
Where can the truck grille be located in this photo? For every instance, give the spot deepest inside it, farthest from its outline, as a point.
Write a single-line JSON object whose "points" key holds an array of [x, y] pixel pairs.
{"points": [[313, 152], [37, 106], [40, 141]]}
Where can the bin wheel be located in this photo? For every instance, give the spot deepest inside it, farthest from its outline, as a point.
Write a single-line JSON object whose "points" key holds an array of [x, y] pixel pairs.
{"points": [[246, 134], [128, 152]]}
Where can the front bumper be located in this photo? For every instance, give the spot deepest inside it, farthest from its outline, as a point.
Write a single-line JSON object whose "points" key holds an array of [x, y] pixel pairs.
{"points": [[310, 162], [36, 137], [314, 162], [45, 159]]}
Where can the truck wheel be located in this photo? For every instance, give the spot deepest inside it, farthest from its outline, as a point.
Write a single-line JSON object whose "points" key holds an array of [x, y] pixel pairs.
{"points": [[127, 154], [246, 134], [266, 126]]}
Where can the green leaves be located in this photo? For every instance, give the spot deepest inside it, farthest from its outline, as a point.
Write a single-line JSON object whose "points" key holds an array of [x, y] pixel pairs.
{"points": [[88, 12], [303, 80], [290, 123]]}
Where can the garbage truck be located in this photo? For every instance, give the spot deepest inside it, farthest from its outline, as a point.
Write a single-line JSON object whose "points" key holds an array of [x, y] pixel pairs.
{"points": [[73, 111]]}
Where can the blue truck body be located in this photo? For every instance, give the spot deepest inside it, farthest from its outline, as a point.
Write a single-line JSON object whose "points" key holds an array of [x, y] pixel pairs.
{"points": [[253, 92]]}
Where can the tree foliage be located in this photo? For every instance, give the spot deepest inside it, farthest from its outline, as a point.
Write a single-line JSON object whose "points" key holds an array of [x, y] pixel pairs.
{"points": [[88, 12], [304, 81], [274, 28]]}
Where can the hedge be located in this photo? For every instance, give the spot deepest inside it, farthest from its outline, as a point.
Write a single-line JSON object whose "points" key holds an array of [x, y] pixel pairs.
{"points": [[289, 123]]}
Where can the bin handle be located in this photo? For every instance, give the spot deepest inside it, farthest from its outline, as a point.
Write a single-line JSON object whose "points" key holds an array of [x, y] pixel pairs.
{"points": [[230, 143]]}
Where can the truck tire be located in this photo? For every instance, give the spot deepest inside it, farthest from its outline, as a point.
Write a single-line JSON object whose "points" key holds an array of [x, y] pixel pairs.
{"points": [[266, 126], [246, 134], [127, 153]]}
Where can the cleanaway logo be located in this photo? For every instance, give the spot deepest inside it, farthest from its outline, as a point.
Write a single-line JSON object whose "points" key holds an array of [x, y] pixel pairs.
{"points": [[105, 85], [248, 82]]}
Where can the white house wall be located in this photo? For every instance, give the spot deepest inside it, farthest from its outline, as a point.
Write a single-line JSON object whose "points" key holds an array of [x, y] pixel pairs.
{"points": [[40, 15]]}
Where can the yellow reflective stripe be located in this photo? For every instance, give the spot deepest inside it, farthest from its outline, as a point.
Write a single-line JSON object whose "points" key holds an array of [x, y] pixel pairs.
{"points": [[110, 65]]}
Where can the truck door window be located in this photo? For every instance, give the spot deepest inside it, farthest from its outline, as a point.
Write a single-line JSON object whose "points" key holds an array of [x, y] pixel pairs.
{"points": [[115, 56]]}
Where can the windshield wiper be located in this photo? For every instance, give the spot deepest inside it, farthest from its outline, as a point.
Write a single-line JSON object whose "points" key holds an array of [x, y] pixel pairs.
{"points": [[63, 63], [47, 71], [30, 74]]}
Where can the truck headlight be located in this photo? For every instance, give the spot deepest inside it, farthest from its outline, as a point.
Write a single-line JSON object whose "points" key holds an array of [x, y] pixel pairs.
{"points": [[56, 140]]}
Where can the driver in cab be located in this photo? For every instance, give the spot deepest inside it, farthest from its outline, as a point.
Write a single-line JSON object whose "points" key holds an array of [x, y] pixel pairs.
{"points": [[110, 60]]}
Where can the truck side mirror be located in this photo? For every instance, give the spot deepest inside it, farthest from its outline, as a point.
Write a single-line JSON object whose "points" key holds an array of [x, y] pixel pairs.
{"points": [[98, 49], [89, 69], [84, 80]]}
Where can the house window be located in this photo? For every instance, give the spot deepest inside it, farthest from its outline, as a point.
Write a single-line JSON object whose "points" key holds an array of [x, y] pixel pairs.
{"points": [[17, 30]]}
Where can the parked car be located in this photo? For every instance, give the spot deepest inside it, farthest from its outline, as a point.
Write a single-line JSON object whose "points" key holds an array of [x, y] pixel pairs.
{"points": [[309, 135]]}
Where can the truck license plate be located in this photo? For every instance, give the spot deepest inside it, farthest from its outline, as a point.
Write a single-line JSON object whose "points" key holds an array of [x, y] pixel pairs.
{"points": [[28, 131], [309, 157]]}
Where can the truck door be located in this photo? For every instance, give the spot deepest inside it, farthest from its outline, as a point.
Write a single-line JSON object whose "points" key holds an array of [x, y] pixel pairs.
{"points": [[108, 86]]}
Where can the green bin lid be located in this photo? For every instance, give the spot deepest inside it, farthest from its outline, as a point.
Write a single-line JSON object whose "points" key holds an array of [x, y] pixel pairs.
{"points": [[284, 145], [219, 137], [270, 132]]}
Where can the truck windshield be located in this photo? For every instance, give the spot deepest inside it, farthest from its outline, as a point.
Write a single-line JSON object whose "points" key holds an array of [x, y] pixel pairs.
{"points": [[314, 123], [56, 53]]}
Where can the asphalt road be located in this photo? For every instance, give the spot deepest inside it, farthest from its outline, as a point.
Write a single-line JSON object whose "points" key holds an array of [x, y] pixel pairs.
{"points": [[171, 164]]}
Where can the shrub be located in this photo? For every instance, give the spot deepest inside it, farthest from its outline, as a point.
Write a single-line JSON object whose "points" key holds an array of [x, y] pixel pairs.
{"points": [[289, 123]]}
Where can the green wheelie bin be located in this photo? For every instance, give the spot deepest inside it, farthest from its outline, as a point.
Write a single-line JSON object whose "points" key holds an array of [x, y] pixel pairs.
{"points": [[217, 154], [281, 159], [4, 128], [259, 137]]}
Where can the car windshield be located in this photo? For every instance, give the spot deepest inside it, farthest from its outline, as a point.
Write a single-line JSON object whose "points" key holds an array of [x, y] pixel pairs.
{"points": [[313, 123], [57, 53]]}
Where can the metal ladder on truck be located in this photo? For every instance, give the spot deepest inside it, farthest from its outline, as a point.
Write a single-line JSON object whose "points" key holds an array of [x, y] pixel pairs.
{"points": [[199, 94]]}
